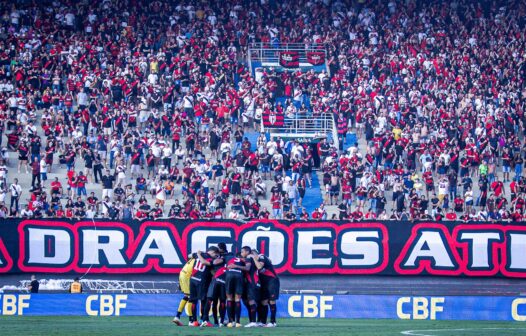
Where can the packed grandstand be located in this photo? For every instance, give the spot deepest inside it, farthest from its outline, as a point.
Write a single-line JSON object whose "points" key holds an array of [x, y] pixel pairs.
{"points": [[153, 109]]}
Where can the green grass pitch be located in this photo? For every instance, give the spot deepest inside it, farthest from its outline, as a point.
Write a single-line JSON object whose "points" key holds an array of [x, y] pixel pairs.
{"points": [[64, 325]]}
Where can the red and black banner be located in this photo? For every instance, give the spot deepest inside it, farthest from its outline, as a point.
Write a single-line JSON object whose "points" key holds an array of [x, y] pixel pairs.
{"points": [[289, 59], [324, 247], [273, 119], [316, 57]]}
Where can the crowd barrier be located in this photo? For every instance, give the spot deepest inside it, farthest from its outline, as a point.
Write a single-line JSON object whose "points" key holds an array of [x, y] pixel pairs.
{"points": [[313, 306], [391, 247]]}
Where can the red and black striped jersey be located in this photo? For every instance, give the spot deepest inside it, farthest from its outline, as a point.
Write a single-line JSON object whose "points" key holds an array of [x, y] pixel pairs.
{"points": [[252, 275], [219, 268], [200, 270], [231, 259], [268, 268]]}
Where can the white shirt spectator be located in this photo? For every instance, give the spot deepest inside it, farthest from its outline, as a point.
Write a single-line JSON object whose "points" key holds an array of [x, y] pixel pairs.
{"points": [[152, 78], [13, 102], [443, 187], [225, 147], [15, 16], [82, 98], [297, 149], [156, 150], [271, 146], [70, 19], [188, 102], [43, 166], [212, 19], [77, 133], [26, 213], [3, 170], [167, 152], [160, 194], [90, 214], [15, 189]]}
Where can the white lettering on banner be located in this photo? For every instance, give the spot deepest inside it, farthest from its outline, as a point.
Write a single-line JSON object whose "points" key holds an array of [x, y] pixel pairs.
{"points": [[112, 249], [275, 250], [517, 251], [105, 305], [306, 248], [295, 248], [14, 304], [158, 243], [436, 250], [49, 246], [199, 239], [358, 244], [311, 305], [480, 247], [421, 308], [400, 308], [515, 309], [293, 299]]}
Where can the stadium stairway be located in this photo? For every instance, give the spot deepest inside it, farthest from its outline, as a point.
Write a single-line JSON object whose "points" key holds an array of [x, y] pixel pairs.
{"points": [[350, 140], [253, 138], [313, 197]]}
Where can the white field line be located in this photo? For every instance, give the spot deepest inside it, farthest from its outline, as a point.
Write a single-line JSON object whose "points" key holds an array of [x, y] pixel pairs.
{"points": [[419, 332]]}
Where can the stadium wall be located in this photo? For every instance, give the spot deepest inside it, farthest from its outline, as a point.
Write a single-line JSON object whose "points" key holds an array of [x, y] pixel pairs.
{"points": [[296, 248], [314, 306]]}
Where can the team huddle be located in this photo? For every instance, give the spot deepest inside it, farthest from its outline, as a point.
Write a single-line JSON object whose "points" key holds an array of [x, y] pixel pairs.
{"points": [[219, 281]]}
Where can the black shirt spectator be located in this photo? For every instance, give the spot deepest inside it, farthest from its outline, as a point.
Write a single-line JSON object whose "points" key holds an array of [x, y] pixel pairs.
{"points": [[34, 285], [107, 181]]}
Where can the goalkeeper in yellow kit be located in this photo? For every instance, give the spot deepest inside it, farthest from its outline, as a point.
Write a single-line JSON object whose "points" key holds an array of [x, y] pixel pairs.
{"points": [[184, 286]]}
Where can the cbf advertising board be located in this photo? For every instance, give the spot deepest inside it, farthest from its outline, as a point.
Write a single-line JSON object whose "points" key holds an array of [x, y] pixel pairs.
{"points": [[313, 306], [391, 248]]}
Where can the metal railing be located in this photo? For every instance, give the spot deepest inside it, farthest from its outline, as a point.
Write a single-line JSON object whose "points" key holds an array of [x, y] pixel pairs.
{"points": [[307, 127], [269, 52]]}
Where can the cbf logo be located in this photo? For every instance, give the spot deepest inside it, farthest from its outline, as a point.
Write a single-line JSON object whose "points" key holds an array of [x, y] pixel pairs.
{"points": [[105, 305], [309, 305], [419, 308], [518, 309], [12, 304]]}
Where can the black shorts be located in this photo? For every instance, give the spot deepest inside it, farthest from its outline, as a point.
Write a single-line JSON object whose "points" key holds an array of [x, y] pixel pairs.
{"points": [[217, 290], [253, 292], [269, 288], [234, 283], [198, 290]]}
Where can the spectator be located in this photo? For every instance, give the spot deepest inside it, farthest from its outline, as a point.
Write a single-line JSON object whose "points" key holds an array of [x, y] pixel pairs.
{"points": [[34, 285], [426, 101], [26, 212], [107, 184], [16, 192]]}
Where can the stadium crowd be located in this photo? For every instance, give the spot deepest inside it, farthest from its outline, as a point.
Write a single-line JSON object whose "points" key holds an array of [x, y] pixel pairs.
{"points": [[151, 102]]}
